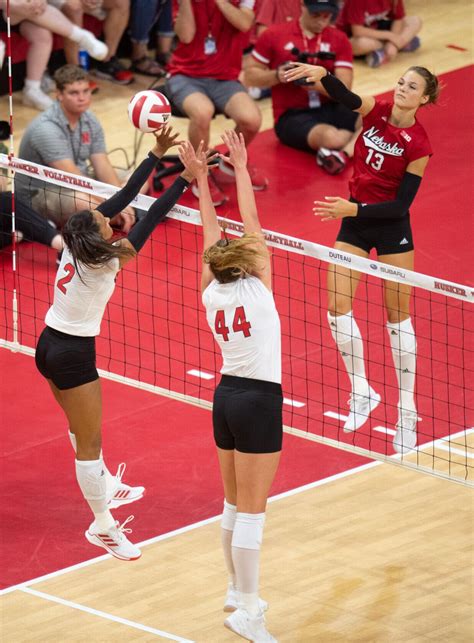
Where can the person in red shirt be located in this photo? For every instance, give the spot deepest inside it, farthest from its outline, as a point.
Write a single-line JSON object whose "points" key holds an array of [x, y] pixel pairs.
{"points": [[379, 29], [204, 71], [390, 158], [273, 12], [305, 117]]}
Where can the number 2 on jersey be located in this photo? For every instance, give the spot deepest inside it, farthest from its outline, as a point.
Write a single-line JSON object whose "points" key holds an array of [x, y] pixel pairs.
{"points": [[239, 324], [70, 270]]}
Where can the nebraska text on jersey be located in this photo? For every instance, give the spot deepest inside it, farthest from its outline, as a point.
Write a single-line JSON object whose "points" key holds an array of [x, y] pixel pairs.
{"points": [[378, 143]]}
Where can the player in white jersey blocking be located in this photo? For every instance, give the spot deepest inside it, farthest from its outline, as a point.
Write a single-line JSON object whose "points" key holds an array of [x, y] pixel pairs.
{"points": [[247, 412], [65, 353]]}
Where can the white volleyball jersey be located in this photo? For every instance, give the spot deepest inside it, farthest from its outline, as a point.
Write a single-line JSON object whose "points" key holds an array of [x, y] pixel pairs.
{"points": [[79, 304], [245, 323]]}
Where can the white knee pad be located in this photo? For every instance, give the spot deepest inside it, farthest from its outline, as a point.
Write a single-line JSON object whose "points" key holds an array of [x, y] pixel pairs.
{"points": [[228, 516], [91, 478], [402, 336], [344, 328], [248, 531]]}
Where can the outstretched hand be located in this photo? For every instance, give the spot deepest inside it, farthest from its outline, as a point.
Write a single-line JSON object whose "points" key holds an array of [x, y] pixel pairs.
{"points": [[194, 161], [164, 139], [237, 150], [334, 208], [312, 73]]}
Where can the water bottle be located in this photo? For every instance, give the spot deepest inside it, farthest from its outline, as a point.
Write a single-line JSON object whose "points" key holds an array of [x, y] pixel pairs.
{"points": [[84, 59]]}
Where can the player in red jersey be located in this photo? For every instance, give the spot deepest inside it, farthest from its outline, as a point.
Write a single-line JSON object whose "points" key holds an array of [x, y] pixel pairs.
{"points": [[379, 29], [390, 158]]}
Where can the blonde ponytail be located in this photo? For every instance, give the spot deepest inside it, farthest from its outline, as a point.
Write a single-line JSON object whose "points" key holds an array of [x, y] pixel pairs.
{"points": [[232, 259]]}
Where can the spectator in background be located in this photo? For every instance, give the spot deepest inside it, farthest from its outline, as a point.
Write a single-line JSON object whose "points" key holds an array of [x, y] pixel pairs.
{"points": [[115, 15], [144, 15], [68, 137], [274, 12], [37, 22], [204, 71], [305, 117], [379, 29]]}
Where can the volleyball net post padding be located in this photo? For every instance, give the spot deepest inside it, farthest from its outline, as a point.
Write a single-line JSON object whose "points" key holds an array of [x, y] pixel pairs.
{"points": [[155, 336]]}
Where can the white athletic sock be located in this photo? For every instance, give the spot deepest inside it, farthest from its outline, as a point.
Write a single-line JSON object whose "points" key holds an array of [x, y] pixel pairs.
{"points": [[91, 479], [246, 543], [346, 334], [403, 343], [227, 530], [32, 84], [110, 480]]}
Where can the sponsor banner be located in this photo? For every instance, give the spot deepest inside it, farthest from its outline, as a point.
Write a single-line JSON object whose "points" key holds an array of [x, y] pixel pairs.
{"points": [[274, 239]]}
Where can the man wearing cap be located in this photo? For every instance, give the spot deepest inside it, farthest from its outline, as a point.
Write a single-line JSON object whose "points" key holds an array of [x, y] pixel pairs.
{"points": [[305, 117]]}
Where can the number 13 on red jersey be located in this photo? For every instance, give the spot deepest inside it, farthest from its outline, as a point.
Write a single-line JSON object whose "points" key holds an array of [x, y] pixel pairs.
{"points": [[239, 323]]}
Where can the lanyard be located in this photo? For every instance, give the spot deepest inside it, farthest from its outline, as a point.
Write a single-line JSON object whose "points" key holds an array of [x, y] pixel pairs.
{"points": [[306, 41]]}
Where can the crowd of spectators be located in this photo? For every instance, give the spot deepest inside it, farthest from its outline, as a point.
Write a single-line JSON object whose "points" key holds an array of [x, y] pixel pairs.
{"points": [[210, 53]]}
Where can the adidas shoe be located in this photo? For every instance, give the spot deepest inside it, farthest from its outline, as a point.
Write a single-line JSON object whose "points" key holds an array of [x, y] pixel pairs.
{"points": [[232, 599], [333, 161], [114, 540], [404, 439], [360, 407], [34, 97], [95, 48], [121, 493], [248, 627]]}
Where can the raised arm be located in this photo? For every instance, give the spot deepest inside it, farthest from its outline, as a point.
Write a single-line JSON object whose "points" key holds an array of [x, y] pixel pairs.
{"points": [[196, 162], [245, 196], [164, 139], [333, 86]]}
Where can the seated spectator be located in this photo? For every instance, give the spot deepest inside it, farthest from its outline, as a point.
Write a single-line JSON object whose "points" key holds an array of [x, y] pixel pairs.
{"points": [[144, 15], [115, 15], [204, 71], [68, 137], [37, 22], [379, 29], [29, 225], [305, 117]]}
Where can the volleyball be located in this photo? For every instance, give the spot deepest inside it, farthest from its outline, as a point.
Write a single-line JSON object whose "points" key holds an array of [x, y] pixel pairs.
{"points": [[149, 110]]}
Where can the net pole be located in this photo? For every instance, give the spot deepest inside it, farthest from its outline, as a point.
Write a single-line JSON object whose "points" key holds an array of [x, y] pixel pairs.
{"points": [[11, 176]]}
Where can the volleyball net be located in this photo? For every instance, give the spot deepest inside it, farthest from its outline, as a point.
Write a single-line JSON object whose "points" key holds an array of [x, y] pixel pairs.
{"points": [[155, 336]]}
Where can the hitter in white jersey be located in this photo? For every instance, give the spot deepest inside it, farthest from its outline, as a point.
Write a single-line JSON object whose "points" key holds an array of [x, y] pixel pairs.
{"points": [[65, 353], [247, 411]]}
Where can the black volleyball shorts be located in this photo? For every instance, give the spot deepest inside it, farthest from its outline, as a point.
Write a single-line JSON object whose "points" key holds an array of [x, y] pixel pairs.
{"points": [[247, 415], [67, 360]]}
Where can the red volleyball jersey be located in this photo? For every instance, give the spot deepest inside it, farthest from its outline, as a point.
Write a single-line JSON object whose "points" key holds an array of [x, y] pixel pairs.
{"points": [[369, 13], [226, 62], [274, 48], [382, 153]]}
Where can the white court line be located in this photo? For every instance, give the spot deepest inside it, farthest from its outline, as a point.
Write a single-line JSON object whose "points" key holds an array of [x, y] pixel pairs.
{"points": [[182, 530], [383, 429], [106, 615], [446, 447], [202, 374], [343, 418], [202, 523], [335, 416], [295, 403]]}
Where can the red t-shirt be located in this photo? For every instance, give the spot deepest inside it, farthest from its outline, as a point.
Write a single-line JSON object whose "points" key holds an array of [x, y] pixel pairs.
{"points": [[382, 153], [274, 13], [369, 13], [226, 62], [274, 47]]}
